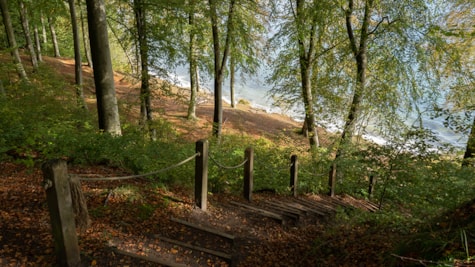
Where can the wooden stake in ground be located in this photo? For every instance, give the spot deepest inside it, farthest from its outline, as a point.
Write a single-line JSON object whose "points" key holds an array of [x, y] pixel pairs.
{"points": [[60, 205]]}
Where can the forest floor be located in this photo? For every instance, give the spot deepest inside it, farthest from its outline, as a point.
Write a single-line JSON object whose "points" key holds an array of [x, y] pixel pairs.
{"points": [[136, 224]]}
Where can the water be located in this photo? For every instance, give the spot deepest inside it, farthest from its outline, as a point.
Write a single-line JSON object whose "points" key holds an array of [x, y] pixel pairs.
{"points": [[255, 91]]}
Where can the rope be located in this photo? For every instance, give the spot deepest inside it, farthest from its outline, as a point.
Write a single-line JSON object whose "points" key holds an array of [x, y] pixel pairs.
{"points": [[227, 167], [141, 175]]}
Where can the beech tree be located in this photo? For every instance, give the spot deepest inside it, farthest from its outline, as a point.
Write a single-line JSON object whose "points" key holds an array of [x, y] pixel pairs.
{"points": [[305, 70], [54, 37], [27, 33], [457, 62], [247, 42], [85, 37], [142, 43], [7, 23], [77, 56], [108, 112], [235, 29], [192, 59], [221, 53], [306, 45]]}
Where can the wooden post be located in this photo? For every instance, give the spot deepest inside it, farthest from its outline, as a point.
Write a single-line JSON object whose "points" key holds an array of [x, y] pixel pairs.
{"points": [[58, 197], [248, 173], [332, 180], [201, 175], [293, 174], [371, 185]]}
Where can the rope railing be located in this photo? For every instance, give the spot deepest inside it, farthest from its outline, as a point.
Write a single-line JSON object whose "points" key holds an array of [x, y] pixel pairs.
{"points": [[227, 167], [140, 175]]}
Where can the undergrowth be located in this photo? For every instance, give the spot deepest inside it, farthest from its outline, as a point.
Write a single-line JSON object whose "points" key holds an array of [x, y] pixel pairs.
{"points": [[41, 121]]}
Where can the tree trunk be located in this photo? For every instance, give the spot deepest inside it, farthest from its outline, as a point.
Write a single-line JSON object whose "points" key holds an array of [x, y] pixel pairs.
{"points": [[26, 31], [85, 38], [360, 56], [306, 55], [232, 72], [193, 66], [2, 90], [77, 57], [197, 78], [219, 63], [12, 41], [469, 156], [54, 37], [43, 29], [37, 45], [145, 94], [108, 112]]}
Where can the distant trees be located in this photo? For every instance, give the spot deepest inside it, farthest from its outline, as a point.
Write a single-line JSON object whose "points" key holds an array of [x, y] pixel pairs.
{"points": [[236, 28], [221, 52], [77, 55], [143, 48], [12, 40], [306, 38], [27, 33], [457, 65], [302, 48], [193, 31], [350, 62]]}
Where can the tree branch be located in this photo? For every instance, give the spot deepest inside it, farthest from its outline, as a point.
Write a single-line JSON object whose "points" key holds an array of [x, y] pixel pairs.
{"points": [[423, 262]]}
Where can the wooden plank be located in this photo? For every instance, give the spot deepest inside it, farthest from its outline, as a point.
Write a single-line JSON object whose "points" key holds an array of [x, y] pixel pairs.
{"points": [[318, 210], [285, 212], [149, 258], [284, 206], [311, 207], [329, 202], [203, 228], [205, 250], [363, 203], [262, 212], [316, 205], [285, 209], [337, 201], [304, 208]]}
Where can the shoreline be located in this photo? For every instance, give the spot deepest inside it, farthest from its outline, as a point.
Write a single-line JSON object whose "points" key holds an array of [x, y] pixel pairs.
{"points": [[443, 134]]}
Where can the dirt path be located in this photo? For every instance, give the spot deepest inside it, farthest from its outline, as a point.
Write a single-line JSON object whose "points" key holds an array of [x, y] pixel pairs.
{"points": [[133, 218]]}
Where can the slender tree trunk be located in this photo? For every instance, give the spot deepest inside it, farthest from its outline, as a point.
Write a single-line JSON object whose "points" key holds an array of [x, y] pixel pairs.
{"points": [[306, 55], [11, 40], [469, 156], [232, 72], [193, 66], [108, 112], [2, 90], [360, 56], [26, 31], [37, 45], [54, 37], [43, 29], [197, 78], [218, 104], [219, 63], [77, 56], [145, 94], [85, 38]]}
